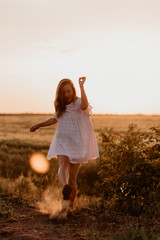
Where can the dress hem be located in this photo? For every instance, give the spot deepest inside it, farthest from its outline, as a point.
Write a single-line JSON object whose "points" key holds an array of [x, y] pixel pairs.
{"points": [[72, 160]]}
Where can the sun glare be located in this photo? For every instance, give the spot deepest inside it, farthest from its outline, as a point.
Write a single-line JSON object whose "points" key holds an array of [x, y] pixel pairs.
{"points": [[39, 163]]}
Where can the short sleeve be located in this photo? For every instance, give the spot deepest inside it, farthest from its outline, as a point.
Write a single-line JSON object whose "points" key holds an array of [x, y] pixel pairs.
{"points": [[88, 110], [78, 102]]}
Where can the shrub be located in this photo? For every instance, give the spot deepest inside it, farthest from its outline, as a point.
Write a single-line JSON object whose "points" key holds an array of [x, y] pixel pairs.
{"points": [[129, 170]]}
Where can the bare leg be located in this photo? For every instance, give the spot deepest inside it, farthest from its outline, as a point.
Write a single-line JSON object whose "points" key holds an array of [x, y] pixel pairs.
{"points": [[73, 172], [63, 171]]}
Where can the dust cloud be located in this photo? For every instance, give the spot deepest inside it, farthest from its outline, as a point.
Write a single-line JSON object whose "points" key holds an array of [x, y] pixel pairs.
{"points": [[52, 205]]}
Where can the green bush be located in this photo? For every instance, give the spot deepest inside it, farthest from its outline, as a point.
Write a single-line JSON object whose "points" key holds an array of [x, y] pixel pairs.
{"points": [[129, 170]]}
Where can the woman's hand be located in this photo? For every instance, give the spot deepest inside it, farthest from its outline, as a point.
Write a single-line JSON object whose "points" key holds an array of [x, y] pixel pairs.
{"points": [[84, 100], [34, 128], [82, 81]]}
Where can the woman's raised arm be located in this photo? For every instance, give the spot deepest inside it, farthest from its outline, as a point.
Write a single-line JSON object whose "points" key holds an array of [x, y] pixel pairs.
{"points": [[84, 100]]}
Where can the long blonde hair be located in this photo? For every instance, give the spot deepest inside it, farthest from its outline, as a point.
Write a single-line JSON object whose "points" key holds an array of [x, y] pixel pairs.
{"points": [[59, 102]]}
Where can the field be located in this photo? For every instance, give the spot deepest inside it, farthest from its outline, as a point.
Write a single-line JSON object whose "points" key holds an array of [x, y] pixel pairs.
{"points": [[17, 126], [26, 197]]}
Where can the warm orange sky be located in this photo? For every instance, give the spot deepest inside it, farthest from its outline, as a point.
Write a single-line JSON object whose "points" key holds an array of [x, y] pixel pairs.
{"points": [[115, 43]]}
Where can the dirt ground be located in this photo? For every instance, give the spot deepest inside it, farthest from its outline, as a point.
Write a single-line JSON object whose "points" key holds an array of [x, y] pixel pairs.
{"points": [[82, 224]]}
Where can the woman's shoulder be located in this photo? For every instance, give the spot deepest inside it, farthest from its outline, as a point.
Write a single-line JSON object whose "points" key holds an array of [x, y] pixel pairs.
{"points": [[77, 100]]}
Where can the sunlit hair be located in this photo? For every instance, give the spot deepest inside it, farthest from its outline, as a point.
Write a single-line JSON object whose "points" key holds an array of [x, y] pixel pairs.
{"points": [[59, 102]]}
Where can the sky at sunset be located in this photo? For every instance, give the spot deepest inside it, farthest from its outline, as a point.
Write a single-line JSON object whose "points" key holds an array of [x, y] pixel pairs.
{"points": [[114, 43]]}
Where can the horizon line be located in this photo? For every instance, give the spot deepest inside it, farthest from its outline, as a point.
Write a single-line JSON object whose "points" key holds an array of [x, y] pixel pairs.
{"points": [[51, 113]]}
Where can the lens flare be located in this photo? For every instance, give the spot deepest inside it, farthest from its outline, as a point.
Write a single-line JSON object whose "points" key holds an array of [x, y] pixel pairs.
{"points": [[39, 163]]}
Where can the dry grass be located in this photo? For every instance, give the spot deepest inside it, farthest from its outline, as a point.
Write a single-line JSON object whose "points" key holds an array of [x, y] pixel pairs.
{"points": [[16, 126], [121, 122]]}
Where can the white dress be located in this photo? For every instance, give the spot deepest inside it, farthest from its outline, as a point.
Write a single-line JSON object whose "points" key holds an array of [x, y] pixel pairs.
{"points": [[75, 136]]}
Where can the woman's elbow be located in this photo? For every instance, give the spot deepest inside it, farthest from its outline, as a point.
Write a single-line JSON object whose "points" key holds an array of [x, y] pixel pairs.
{"points": [[84, 106], [53, 121]]}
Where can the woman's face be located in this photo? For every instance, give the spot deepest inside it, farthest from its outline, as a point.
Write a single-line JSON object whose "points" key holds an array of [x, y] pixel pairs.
{"points": [[68, 93]]}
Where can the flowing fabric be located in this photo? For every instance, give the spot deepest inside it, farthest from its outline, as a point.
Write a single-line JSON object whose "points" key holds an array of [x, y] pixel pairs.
{"points": [[75, 136]]}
